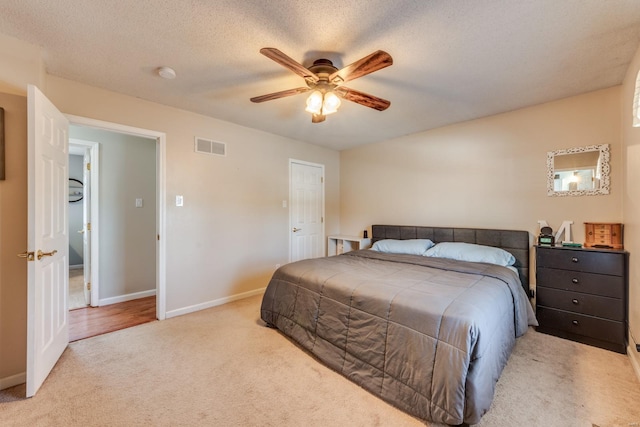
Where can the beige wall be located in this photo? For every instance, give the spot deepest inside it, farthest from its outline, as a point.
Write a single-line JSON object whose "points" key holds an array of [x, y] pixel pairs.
{"points": [[232, 230], [21, 64], [487, 173], [227, 238], [631, 148], [13, 240]]}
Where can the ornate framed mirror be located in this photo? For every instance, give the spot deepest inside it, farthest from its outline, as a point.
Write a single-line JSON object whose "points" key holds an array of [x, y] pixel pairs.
{"points": [[581, 171]]}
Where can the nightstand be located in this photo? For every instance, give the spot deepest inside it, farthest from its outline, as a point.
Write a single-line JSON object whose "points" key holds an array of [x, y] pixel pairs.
{"points": [[337, 245], [582, 295]]}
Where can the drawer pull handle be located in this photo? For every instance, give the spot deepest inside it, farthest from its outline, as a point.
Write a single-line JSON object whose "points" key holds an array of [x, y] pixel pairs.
{"points": [[575, 280], [574, 259], [575, 301], [575, 322]]}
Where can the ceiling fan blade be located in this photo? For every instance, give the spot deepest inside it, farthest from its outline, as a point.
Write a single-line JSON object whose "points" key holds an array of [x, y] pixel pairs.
{"points": [[287, 62], [318, 118], [374, 62], [363, 98], [280, 94]]}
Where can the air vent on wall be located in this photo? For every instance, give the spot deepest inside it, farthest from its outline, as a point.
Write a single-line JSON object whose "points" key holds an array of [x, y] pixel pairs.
{"points": [[209, 146]]}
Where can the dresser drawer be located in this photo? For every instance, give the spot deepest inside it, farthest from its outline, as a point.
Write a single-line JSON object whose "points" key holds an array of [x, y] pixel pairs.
{"points": [[612, 263], [590, 283], [593, 305], [580, 324]]}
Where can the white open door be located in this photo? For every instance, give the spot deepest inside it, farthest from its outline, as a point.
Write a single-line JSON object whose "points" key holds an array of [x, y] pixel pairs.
{"points": [[86, 225], [306, 182], [48, 238]]}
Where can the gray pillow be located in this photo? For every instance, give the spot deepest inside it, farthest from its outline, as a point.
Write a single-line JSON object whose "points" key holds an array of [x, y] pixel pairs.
{"points": [[407, 247], [471, 252]]}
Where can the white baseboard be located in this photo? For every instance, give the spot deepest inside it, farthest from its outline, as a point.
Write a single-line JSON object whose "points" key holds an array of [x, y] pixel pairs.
{"points": [[13, 380], [214, 303], [76, 267], [127, 297], [634, 357]]}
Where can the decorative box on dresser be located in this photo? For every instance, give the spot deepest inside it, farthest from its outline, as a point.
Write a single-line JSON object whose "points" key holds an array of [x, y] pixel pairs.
{"points": [[581, 295]]}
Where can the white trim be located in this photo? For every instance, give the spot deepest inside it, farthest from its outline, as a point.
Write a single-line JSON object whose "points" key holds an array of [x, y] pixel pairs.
{"points": [[76, 267], [127, 297], [161, 138], [214, 303], [324, 217], [13, 380], [634, 357]]}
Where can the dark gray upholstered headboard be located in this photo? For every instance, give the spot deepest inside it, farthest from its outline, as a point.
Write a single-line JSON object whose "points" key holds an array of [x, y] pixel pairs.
{"points": [[513, 241]]}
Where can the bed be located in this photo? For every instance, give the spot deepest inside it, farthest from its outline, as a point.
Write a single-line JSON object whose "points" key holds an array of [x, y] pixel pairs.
{"points": [[430, 335]]}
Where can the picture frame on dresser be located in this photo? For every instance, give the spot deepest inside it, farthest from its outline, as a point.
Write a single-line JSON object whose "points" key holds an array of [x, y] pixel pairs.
{"points": [[582, 295]]}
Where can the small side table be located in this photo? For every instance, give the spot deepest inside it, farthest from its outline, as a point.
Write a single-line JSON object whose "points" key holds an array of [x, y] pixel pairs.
{"points": [[337, 245]]}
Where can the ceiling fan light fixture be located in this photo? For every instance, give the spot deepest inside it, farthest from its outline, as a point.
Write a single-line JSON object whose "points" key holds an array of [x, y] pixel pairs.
{"points": [[330, 104], [314, 102], [324, 81]]}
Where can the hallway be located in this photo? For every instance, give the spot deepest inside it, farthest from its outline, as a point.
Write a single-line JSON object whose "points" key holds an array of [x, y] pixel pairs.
{"points": [[91, 321]]}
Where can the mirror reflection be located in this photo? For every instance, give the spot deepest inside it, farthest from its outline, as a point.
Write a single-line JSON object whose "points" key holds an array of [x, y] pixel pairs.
{"points": [[578, 171]]}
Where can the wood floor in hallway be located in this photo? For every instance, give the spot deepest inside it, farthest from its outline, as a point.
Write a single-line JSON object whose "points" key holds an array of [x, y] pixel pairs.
{"points": [[91, 321]]}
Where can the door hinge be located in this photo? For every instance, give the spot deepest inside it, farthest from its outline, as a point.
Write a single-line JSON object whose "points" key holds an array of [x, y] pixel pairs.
{"points": [[88, 286], [89, 226], [88, 166], [321, 220], [158, 237], [322, 180]]}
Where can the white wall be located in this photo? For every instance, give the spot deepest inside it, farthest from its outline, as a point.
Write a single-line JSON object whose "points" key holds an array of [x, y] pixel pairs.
{"points": [[487, 173], [631, 147], [75, 214], [127, 235]]}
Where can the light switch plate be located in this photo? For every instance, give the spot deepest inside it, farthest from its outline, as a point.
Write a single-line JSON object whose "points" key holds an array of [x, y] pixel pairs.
{"points": [[179, 201], [138, 203]]}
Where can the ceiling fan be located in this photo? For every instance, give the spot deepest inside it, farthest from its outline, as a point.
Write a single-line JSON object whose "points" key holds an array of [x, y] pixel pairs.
{"points": [[325, 81]]}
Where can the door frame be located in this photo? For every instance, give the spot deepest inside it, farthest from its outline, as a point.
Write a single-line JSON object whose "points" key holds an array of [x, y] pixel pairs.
{"points": [[161, 214], [323, 240], [93, 149]]}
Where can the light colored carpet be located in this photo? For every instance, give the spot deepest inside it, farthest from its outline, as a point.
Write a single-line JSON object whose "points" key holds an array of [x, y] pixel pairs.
{"points": [[76, 289], [222, 367]]}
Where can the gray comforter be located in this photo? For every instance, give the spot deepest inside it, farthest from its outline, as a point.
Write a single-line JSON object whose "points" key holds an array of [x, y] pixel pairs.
{"points": [[431, 336]]}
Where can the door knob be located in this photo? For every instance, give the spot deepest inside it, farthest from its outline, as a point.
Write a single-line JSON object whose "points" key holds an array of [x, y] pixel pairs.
{"points": [[44, 254], [295, 229]]}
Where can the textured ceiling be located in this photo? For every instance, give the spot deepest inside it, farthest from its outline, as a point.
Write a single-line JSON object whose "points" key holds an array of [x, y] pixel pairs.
{"points": [[454, 60]]}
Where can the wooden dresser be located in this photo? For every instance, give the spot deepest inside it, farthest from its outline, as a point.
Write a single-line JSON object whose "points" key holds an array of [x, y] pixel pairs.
{"points": [[582, 295]]}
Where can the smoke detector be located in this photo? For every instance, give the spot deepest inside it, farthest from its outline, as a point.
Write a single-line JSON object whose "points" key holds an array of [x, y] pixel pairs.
{"points": [[166, 73]]}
